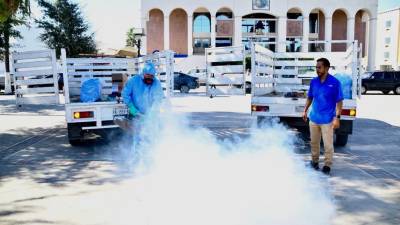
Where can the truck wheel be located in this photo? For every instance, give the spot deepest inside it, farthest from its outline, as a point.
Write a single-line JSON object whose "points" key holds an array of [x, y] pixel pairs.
{"points": [[260, 121], [397, 90], [264, 121], [75, 134], [363, 90], [385, 92], [341, 140]]}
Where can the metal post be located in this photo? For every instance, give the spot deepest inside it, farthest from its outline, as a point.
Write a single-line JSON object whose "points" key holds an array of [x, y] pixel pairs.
{"points": [[55, 75], [65, 75], [253, 67]]}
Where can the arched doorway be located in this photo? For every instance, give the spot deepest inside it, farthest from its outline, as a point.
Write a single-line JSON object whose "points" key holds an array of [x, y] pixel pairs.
{"points": [[360, 32], [225, 27], [261, 28], [317, 30], [339, 30], [294, 31], [178, 31], [155, 31], [201, 30]]}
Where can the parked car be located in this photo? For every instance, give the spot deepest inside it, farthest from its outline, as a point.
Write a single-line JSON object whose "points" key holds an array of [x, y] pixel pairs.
{"points": [[60, 82], [199, 73], [183, 82], [384, 81]]}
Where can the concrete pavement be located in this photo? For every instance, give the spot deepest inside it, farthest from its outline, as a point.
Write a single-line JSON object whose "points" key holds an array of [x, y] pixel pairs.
{"points": [[43, 180]]}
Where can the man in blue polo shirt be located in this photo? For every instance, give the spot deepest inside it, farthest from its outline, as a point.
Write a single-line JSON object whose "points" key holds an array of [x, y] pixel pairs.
{"points": [[326, 100]]}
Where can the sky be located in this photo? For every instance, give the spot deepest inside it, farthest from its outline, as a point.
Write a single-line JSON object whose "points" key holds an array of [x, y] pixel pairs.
{"points": [[111, 21]]}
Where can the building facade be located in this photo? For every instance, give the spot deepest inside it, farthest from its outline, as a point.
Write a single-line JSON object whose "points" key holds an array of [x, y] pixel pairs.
{"points": [[388, 40], [189, 26]]}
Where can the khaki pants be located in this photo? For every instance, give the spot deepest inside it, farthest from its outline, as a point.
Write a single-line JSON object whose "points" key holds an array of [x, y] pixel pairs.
{"points": [[326, 131]]}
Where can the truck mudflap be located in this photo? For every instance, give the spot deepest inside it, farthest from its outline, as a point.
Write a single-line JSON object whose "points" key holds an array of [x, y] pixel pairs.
{"points": [[346, 126], [340, 137]]}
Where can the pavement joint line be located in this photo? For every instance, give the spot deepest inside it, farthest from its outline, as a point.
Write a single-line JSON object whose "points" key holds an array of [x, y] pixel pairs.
{"points": [[40, 137], [38, 141], [10, 114], [372, 172]]}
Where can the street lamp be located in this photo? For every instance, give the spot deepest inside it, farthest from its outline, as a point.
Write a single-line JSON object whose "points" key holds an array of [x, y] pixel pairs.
{"points": [[138, 34]]}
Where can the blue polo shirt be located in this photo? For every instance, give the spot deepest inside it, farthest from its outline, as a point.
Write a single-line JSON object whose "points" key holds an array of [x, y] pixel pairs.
{"points": [[324, 97]]}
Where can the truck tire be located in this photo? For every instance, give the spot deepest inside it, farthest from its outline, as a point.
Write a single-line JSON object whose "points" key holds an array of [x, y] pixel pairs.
{"points": [[75, 134], [385, 92], [266, 121], [341, 140], [260, 121]]}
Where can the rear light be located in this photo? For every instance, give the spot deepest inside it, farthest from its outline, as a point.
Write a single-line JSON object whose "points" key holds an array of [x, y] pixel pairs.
{"points": [[83, 115], [259, 108], [349, 112]]}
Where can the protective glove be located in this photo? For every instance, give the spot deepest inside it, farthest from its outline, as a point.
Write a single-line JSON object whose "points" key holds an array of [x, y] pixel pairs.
{"points": [[132, 110]]}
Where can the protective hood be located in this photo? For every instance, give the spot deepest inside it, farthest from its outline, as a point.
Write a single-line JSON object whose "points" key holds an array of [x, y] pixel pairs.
{"points": [[142, 96], [148, 68]]}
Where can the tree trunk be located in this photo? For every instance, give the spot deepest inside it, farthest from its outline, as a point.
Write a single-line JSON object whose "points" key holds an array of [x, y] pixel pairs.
{"points": [[7, 27]]}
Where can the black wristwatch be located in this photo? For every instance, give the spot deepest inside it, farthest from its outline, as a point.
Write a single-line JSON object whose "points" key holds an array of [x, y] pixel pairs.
{"points": [[338, 116]]}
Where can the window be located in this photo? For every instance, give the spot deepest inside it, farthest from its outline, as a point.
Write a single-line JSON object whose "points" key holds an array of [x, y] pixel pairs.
{"points": [[397, 75], [388, 24], [202, 24], [293, 45], [387, 40], [377, 76], [389, 76], [314, 23], [223, 42], [386, 55]]}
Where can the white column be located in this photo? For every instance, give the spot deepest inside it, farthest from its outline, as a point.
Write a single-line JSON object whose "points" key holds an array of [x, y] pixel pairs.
{"points": [[213, 27], [282, 24], [328, 34], [238, 31], [372, 44], [190, 35], [350, 29], [143, 47], [166, 33], [306, 32]]}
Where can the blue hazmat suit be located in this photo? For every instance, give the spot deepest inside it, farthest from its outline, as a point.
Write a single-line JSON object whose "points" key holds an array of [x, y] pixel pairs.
{"points": [[139, 96]]}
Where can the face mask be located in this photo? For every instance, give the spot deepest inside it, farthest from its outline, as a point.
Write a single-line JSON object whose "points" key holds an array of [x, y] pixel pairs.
{"points": [[148, 81]]}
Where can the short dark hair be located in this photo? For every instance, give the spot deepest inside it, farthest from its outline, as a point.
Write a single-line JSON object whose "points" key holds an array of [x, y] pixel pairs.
{"points": [[324, 62]]}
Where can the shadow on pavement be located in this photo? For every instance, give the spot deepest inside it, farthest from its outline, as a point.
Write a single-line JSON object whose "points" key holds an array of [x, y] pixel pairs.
{"points": [[8, 106], [47, 157]]}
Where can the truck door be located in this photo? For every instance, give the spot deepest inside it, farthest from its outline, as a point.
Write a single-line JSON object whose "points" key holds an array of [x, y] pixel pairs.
{"points": [[376, 81], [388, 82]]}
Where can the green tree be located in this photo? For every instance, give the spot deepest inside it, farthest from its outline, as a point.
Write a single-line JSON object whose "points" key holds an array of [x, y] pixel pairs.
{"points": [[12, 13], [65, 27], [9, 8], [130, 38]]}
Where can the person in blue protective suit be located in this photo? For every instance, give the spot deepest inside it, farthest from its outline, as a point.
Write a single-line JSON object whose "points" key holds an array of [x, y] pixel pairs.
{"points": [[143, 92]]}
